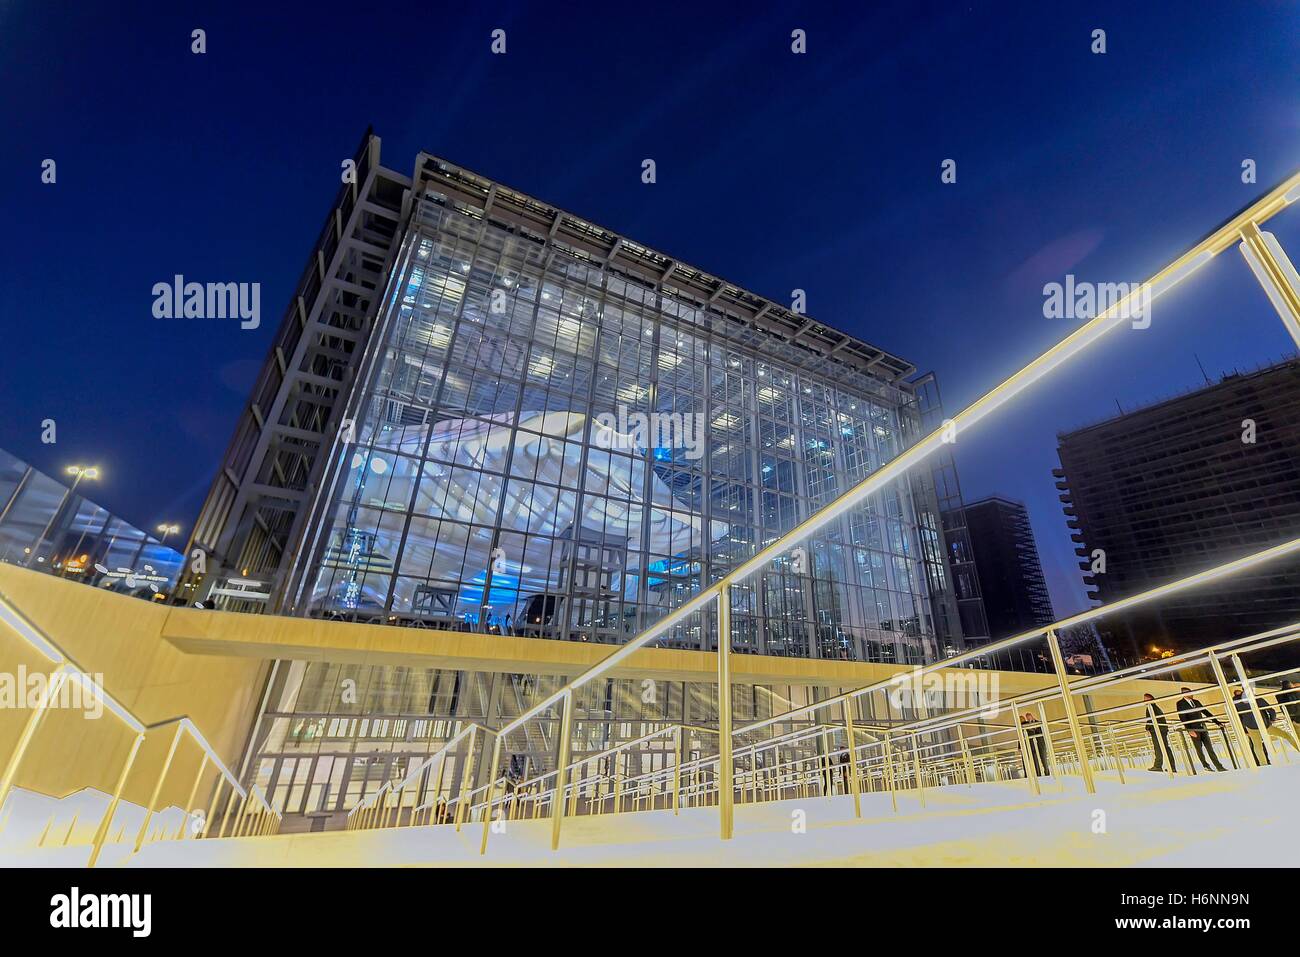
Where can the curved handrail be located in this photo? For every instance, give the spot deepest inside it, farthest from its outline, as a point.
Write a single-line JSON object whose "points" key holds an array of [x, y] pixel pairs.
{"points": [[36, 638]]}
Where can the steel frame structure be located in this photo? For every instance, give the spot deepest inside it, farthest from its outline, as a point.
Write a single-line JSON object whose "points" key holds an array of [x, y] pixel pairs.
{"points": [[258, 502], [270, 494]]}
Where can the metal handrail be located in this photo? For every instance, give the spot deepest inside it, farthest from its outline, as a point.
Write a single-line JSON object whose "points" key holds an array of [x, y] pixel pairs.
{"points": [[949, 750], [369, 800], [66, 668], [900, 761], [1076, 342]]}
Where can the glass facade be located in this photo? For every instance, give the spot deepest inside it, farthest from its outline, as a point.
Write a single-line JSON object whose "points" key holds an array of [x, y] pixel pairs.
{"points": [[50, 527], [503, 476]]}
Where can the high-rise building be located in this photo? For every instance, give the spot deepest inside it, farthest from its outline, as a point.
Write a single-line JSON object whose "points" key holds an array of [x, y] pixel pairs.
{"points": [[486, 414], [1006, 560], [1161, 492], [959, 560]]}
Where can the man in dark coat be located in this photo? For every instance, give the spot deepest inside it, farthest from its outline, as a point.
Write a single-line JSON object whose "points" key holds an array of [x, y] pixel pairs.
{"points": [[1255, 732], [1194, 716], [1158, 728], [1037, 746]]}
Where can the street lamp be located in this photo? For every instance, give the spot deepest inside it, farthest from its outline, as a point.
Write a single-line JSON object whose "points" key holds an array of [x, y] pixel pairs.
{"points": [[165, 530], [78, 472]]}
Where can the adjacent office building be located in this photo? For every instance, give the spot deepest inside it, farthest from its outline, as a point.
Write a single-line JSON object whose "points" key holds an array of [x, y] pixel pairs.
{"points": [[1011, 581], [484, 413], [1186, 484]]}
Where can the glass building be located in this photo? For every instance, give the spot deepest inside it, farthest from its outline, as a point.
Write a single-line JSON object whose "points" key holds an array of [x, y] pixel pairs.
{"points": [[484, 413], [51, 527], [500, 476]]}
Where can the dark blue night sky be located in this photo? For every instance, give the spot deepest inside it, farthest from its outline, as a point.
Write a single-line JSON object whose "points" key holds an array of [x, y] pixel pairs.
{"points": [[776, 171]]}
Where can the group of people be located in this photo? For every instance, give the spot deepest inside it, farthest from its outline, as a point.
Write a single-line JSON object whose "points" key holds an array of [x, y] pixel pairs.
{"points": [[1196, 720]]}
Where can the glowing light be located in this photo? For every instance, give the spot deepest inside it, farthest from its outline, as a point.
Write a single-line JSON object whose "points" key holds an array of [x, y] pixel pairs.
{"points": [[632, 393], [669, 360]]}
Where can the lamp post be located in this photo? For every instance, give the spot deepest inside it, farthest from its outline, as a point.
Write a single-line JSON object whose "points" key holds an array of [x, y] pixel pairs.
{"points": [[165, 530], [78, 472]]}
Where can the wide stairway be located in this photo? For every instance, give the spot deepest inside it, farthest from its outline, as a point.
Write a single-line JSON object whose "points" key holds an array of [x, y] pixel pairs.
{"points": [[1244, 817]]}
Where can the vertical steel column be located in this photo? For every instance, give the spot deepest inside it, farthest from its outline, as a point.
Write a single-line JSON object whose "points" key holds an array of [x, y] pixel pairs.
{"points": [[212, 804], [157, 789], [1234, 719], [1114, 753], [1161, 744], [1049, 748], [18, 490], [557, 800], [852, 771], [828, 782], [1022, 737], [437, 786], [1249, 694], [225, 815], [101, 832], [465, 779], [1187, 751], [491, 793], [189, 802], [36, 546], [29, 732], [965, 757], [726, 792], [579, 772], [393, 808], [239, 815], [889, 769], [1274, 271], [1071, 715], [618, 783], [916, 769], [677, 771]]}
